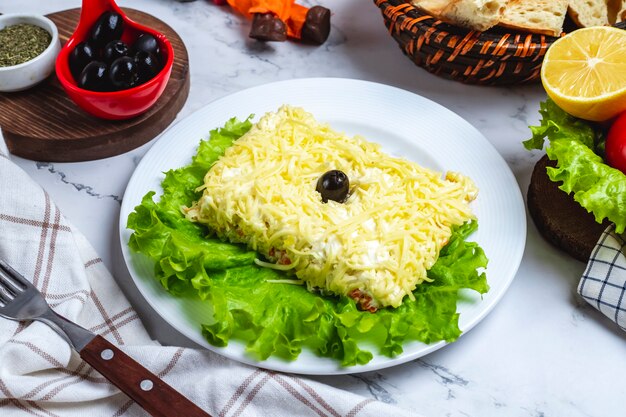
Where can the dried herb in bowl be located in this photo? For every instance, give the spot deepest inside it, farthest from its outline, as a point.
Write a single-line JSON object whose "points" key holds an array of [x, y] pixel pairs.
{"points": [[22, 42]]}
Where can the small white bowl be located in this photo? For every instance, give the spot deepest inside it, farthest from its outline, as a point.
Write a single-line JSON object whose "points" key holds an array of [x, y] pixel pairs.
{"points": [[27, 74]]}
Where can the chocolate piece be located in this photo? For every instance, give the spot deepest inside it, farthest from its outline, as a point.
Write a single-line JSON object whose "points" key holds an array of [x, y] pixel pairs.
{"points": [[316, 27], [267, 27], [560, 219]]}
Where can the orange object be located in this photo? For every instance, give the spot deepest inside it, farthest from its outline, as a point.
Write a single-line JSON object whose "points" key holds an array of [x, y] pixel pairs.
{"points": [[294, 15]]}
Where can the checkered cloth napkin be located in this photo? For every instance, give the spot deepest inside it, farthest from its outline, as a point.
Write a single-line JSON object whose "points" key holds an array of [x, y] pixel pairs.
{"points": [[603, 284], [41, 376]]}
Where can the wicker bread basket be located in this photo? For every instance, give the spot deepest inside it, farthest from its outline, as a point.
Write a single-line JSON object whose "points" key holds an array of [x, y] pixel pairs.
{"points": [[494, 57]]}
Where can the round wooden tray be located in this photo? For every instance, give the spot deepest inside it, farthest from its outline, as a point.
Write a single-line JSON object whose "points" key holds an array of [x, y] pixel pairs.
{"points": [[44, 124]]}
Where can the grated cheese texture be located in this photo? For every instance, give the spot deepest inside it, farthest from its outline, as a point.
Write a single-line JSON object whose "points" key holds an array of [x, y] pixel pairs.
{"points": [[380, 241]]}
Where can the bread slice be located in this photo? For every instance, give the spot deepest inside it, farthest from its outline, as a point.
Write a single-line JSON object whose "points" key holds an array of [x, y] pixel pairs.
{"points": [[535, 16], [433, 7], [472, 14], [586, 13], [477, 14]]}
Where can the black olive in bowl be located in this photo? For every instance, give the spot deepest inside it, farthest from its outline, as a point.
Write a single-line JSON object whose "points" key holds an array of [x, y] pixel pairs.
{"points": [[113, 64], [109, 27], [123, 73], [147, 43], [147, 66], [113, 50], [80, 56], [94, 77]]}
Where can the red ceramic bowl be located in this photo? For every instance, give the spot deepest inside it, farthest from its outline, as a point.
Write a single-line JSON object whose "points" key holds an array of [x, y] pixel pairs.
{"points": [[115, 105]]}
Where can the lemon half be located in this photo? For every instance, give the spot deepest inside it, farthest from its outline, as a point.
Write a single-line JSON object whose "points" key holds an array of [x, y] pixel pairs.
{"points": [[585, 73]]}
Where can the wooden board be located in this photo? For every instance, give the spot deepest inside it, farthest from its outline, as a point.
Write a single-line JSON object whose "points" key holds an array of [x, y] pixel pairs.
{"points": [[560, 219], [44, 124]]}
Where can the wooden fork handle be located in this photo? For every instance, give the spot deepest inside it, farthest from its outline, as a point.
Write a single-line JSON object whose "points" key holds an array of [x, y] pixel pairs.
{"points": [[146, 389]]}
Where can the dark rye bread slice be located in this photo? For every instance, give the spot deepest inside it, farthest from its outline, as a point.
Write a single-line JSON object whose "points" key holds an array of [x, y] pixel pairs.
{"points": [[560, 219]]}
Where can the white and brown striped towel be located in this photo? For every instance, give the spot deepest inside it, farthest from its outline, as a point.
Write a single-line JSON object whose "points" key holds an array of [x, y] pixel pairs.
{"points": [[41, 376], [603, 284]]}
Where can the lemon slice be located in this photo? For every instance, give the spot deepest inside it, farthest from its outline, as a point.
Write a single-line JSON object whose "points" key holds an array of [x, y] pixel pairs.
{"points": [[585, 73]]}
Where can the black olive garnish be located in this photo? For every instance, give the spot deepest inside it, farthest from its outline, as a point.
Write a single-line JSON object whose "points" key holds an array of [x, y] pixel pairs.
{"points": [[333, 185]]}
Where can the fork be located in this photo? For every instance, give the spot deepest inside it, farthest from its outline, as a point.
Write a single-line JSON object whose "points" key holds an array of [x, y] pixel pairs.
{"points": [[21, 301]]}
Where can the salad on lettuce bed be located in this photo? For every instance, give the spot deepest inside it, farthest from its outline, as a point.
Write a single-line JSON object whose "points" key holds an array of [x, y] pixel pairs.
{"points": [[278, 318], [578, 148]]}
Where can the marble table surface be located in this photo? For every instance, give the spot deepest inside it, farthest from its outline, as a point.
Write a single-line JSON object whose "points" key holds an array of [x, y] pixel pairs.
{"points": [[541, 352]]}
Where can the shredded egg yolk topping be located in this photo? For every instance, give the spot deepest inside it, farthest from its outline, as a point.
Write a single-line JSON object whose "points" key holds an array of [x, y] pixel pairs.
{"points": [[375, 246]]}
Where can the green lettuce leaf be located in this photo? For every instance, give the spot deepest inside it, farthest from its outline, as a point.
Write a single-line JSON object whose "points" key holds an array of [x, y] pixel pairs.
{"points": [[557, 124], [576, 146], [282, 319]]}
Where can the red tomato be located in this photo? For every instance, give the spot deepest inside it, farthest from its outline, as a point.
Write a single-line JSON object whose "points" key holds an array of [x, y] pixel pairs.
{"points": [[616, 144]]}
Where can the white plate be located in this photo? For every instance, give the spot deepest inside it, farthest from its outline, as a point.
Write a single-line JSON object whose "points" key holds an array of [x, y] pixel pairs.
{"points": [[404, 124]]}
